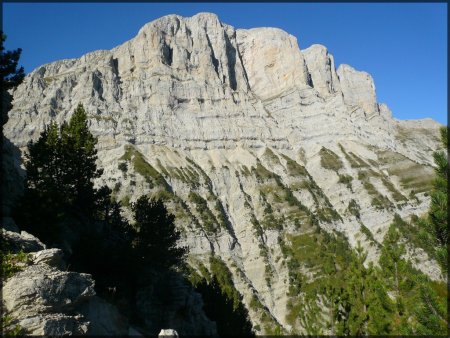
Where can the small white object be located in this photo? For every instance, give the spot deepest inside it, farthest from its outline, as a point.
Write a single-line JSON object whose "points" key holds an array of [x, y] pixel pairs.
{"points": [[168, 333]]}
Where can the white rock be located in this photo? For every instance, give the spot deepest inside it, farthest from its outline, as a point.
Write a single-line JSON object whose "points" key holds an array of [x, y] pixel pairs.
{"points": [[322, 69], [51, 257], [358, 88], [167, 333]]}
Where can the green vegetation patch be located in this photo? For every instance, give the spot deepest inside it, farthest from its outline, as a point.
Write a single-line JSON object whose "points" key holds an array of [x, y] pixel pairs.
{"points": [[326, 257], [325, 211], [413, 233], [269, 323], [205, 177], [346, 180], [329, 160], [9, 329], [354, 208], [294, 169], [378, 201], [365, 230], [412, 175], [396, 195], [13, 263], [208, 219], [354, 160], [271, 157], [142, 167], [99, 118], [49, 79], [220, 270], [125, 201]]}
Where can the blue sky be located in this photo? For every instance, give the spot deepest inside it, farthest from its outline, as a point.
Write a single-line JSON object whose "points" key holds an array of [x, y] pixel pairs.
{"points": [[403, 46]]}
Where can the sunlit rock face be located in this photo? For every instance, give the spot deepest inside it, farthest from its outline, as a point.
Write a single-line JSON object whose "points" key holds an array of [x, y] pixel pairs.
{"points": [[248, 136]]}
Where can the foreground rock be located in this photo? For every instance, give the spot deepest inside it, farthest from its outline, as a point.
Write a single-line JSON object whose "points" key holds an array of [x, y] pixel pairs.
{"points": [[23, 241], [43, 300]]}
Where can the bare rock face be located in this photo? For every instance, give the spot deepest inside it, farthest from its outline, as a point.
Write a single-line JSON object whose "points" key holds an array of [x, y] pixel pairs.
{"points": [[272, 61], [254, 136], [322, 69], [358, 88]]}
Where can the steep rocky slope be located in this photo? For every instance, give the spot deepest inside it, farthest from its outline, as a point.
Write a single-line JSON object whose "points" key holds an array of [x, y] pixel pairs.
{"points": [[251, 141]]}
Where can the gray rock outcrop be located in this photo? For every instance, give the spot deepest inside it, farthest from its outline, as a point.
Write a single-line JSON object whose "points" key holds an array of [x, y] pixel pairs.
{"points": [[44, 300], [23, 241]]}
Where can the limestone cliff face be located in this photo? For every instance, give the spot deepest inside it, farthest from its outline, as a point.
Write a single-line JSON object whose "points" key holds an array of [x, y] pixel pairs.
{"points": [[248, 131]]}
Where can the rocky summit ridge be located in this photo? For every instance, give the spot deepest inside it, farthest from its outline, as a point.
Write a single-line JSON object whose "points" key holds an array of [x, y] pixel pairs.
{"points": [[240, 131]]}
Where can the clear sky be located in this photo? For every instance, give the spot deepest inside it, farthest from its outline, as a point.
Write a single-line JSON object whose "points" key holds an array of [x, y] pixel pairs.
{"points": [[403, 46]]}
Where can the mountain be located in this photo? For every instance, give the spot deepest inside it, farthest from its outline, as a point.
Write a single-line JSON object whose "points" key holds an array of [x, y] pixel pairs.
{"points": [[259, 148]]}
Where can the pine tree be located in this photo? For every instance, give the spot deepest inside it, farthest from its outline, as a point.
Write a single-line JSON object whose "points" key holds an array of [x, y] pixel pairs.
{"points": [[41, 207], [10, 75], [390, 258], [231, 317], [430, 312], [59, 186], [435, 226], [370, 309], [335, 299], [78, 160], [156, 241]]}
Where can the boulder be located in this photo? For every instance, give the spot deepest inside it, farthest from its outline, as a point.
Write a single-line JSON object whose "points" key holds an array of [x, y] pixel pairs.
{"points": [[168, 333], [51, 257], [54, 324], [44, 289], [23, 241]]}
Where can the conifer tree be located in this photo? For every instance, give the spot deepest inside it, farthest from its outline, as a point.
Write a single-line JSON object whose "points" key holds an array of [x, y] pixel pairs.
{"points": [[336, 301], [10, 75], [370, 308], [155, 243], [430, 312], [59, 186], [390, 259], [418, 308], [78, 160], [231, 317], [435, 226]]}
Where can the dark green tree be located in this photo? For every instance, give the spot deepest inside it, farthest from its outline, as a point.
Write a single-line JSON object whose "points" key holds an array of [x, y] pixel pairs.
{"points": [[370, 307], [78, 157], [391, 258], [41, 208], [430, 311], [10, 75], [418, 309], [59, 189], [435, 225], [231, 318], [155, 243], [335, 299]]}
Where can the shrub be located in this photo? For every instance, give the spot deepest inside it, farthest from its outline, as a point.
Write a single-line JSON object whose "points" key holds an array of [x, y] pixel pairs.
{"points": [[13, 263]]}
